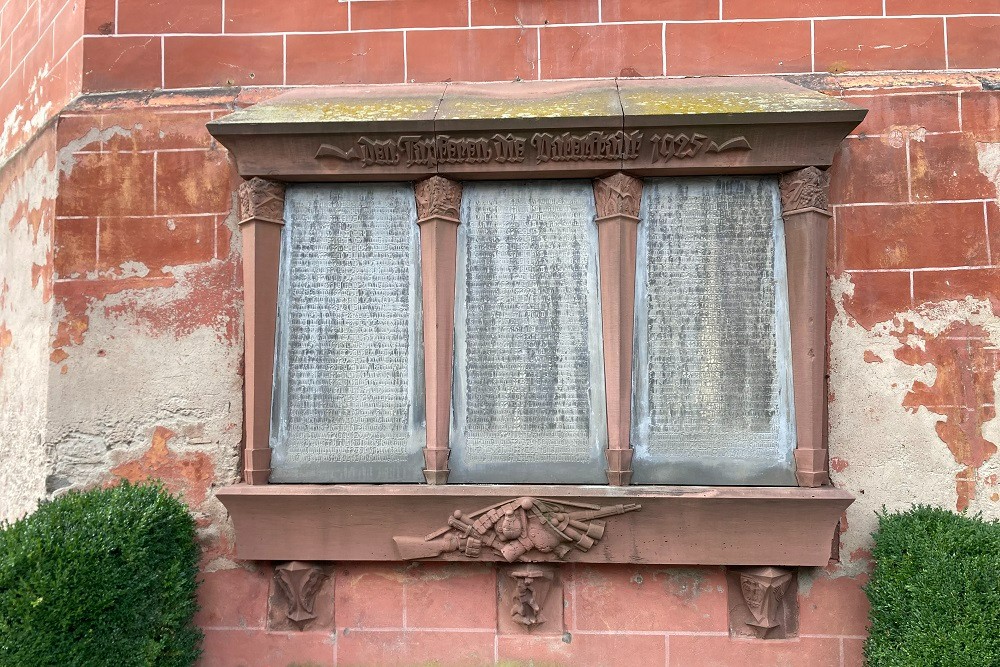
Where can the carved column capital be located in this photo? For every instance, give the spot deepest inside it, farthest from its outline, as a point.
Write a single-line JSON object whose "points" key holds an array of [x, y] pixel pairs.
{"points": [[618, 194], [299, 583], [262, 200], [438, 197], [805, 190]]}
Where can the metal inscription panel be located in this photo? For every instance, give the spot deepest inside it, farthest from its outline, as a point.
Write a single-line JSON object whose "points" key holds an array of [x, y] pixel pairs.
{"points": [[528, 401], [712, 392], [348, 385]]}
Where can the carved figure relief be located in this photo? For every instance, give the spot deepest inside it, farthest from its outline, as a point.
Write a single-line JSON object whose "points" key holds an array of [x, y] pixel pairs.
{"points": [[261, 199], [524, 529], [618, 194], [768, 609], [531, 591], [299, 582], [805, 188], [438, 196]]}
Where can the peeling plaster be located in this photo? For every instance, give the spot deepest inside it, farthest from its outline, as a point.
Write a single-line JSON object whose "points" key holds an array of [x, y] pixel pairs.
{"points": [[151, 386], [27, 207], [886, 441]]}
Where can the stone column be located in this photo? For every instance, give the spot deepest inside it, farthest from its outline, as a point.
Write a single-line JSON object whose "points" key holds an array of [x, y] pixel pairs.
{"points": [[617, 199], [438, 203], [805, 207], [262, 209]]}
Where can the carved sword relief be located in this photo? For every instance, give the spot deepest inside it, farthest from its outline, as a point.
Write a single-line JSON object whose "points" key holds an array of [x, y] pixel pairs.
{"points": [[524, 529]]}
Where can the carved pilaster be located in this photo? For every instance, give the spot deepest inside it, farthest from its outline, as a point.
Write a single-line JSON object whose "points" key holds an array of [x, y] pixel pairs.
{"points": [[617, 200], [262, 206], [298, 583], [763, 602], [438, 203], [804, 201]]}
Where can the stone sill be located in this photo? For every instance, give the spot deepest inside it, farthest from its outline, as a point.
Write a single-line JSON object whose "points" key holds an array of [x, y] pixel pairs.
{"points": [[677, 525]]}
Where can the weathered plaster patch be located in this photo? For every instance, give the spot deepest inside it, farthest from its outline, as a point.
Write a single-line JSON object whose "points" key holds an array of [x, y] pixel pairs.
{"points": [[189, 475], [989, 162], [919, 426], [153, 388], [27, 203]]}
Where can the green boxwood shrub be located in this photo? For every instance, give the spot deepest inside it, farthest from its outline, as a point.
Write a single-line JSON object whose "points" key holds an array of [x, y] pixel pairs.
{"points": [[935, 591], [102, 577]]}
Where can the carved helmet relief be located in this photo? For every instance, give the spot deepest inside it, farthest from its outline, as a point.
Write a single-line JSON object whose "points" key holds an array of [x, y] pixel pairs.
{"points": [[764, 590]]}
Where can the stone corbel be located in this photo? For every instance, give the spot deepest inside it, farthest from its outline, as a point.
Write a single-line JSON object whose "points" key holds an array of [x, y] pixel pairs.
{"points": [[617, 200], [763, 602], [805, 209], [530, 600], [438, 203], [262, 207], [298, 584]]}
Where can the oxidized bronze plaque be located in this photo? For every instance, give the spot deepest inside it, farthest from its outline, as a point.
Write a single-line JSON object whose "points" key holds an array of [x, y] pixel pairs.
{"points": [[528, 402], [348, 388], [712, 391]]}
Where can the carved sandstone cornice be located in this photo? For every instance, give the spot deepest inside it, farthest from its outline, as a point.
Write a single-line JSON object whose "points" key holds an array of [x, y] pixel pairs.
{"points": [[262, 200], [805, 189], [438, 196], [618, 194]]}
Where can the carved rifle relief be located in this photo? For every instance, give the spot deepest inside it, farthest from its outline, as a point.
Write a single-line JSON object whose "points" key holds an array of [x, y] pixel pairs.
{"points": [[524, 529]]}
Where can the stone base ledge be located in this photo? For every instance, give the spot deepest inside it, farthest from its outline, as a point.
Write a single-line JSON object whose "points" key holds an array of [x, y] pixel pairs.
{"points": [[675, 525]]}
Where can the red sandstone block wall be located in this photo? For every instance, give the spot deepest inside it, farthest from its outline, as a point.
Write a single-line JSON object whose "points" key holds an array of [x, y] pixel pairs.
{"points": [[145, 255], [916, 224], [143, 44], [446, 614], [144, 244], [41, 56]]}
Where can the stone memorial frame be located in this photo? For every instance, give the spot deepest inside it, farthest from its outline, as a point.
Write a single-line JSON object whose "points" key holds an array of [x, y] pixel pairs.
{"points": [[617, 133]]}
